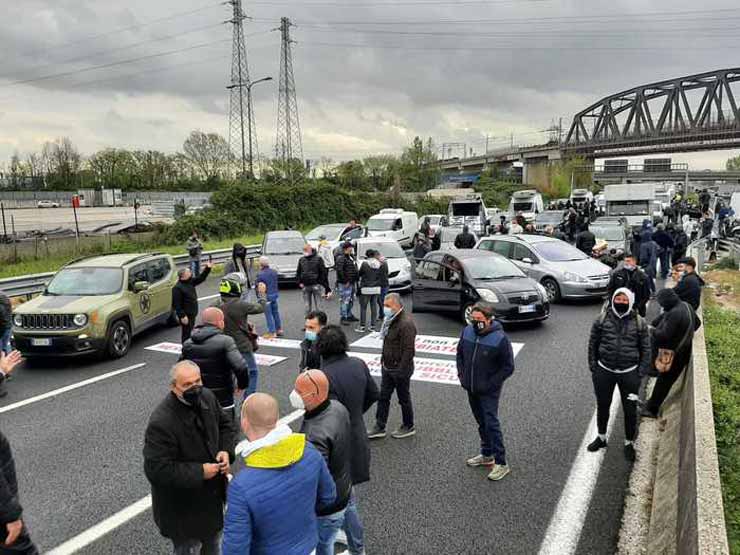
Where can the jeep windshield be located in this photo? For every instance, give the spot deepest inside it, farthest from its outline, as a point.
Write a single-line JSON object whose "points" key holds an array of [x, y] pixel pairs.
{"points": [[82, 282]]}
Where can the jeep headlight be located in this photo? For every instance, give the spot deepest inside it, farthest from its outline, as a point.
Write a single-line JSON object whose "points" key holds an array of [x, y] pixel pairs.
{"points": [[80, 320], [543, 292], [487, 295], [18, 320], [569, 276]]}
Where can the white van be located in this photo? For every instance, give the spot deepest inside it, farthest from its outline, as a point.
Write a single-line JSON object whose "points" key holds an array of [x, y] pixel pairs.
{"points": [[394, 223], [529, 202]]}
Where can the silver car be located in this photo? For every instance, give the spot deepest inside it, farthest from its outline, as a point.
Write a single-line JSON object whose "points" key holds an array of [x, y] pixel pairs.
{"points": [[561, 268], [284, 249], [612, 234]]}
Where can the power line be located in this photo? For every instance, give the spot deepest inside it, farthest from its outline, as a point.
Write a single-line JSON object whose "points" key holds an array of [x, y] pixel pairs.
{"points": [[361, 5], [124, 29]]}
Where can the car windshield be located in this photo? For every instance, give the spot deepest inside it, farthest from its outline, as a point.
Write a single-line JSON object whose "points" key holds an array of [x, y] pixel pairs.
{"points": [[284, 245], [86, 281], [434, 220], [381, 224], [491, 267], [389, 249], [558, 251], [330, 231], [608, 232]]}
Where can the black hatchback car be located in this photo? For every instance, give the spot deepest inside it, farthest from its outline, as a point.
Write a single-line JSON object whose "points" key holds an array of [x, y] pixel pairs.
{"points": [[453, 281]]}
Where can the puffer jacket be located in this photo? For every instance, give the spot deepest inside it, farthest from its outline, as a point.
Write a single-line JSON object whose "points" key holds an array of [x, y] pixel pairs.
{"points": [[371, 273], [484, 361], [328, 429], [346, 269], [10, 507], [618, 343], [688, 289], [311, 271], [216, 355]]}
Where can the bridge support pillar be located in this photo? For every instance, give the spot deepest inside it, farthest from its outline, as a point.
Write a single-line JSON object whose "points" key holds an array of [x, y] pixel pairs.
{"points": [[537, 172]]}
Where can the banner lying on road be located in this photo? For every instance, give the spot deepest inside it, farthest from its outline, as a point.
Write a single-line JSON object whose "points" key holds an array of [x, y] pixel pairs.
{"points": [[280, 343], [424, 343], [176, 349]]}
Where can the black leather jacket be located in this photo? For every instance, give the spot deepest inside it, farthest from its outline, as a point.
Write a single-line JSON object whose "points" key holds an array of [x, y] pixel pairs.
{"points": [[327, 427]]}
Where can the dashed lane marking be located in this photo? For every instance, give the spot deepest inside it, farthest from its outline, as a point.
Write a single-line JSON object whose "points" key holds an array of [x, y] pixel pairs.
{"points": [[71, 387], [123, 516], [567, 521]]}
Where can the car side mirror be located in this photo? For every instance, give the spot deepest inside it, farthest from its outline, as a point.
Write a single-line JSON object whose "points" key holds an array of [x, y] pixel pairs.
{"points": [[527, 260], [140, 286]]}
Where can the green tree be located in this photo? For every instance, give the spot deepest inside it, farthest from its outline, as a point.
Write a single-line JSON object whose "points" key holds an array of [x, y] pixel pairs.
{"points": [[733, 164], [209, 153], [380, 170], [418, 166], [352, 175]]}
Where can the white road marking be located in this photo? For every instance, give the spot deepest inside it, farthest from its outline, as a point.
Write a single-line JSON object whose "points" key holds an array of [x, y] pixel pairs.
{"points": [[208, 297], [567, 521], [102, 528], [99, 530], [67, 388]]}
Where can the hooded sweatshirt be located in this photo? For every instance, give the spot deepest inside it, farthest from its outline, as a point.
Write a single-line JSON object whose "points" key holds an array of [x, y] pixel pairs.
{"points": [[619, 342], [371, 275], [272, 503]]}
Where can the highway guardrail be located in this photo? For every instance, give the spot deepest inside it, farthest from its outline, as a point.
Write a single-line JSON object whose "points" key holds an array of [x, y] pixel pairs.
{"points": [[33, 284]]}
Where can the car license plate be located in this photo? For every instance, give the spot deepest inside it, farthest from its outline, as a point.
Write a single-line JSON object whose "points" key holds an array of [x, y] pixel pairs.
{"points": [[523, 309], [43, 342]]}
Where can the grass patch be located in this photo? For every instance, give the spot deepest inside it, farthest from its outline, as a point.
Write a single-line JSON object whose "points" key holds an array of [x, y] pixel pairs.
{"points": [[723, 351], [54, 262]]}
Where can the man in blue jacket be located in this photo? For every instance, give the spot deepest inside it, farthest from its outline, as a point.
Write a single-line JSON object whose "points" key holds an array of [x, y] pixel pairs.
{"points": [[485, 360], [272, 503]]}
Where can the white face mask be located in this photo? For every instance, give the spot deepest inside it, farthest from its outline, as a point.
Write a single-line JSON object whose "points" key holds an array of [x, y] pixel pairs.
{"points": [[295, 400]]}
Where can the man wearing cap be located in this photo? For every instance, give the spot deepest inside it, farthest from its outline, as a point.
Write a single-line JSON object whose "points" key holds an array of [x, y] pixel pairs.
{"points": [[326, 424], [690, 283]]}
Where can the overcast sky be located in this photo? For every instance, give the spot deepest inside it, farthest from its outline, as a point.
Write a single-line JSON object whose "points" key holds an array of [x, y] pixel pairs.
{"points": [[370, 74]]}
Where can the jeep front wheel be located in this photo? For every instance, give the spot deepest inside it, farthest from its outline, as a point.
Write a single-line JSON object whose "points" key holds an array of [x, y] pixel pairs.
{"points": [[119, 339]]}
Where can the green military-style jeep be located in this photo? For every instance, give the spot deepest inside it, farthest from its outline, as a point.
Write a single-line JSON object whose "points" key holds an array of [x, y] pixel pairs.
{"points": [[97, 304]]}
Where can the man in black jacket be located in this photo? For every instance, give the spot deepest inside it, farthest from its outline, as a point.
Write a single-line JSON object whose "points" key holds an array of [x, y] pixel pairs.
{"points": [[680, 243], [350, 383], [188, 449], [689, 286], [218, 358], [310, 358], [586, 240], [397, 366], [633, 278], [347, 276], [327, 426], [14, 536], [312, 275], [666, 244], [185, 298], [465, 240], [618, 355], [673, 330]]}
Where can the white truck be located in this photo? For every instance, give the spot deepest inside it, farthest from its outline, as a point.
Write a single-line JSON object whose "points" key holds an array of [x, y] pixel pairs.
{"points": [[469, 211], [579, 197], [394, 223], [528, 202], [634, 202]]}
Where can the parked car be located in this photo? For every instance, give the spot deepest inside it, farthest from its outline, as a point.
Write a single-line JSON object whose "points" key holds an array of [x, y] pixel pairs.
{"points": [[97, 304], [454, 281], [611, 233], [399, 266], [561, 268], [284, 249], [447, 239], [335, 234], [47, 204], [548, 217]]}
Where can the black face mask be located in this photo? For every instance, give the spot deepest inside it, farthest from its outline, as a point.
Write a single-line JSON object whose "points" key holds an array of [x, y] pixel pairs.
{"points": [[621, 308], [479, 326], [192, 396]]}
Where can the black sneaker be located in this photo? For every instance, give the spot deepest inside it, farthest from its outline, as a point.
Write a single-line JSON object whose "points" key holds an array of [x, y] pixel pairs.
{"points": [[647, 413], [351, 318], [596, 444], [344, 322], [629, 452], [403, 432], [376, 433]]}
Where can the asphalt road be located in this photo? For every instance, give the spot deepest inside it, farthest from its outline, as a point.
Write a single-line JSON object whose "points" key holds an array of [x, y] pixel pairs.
{"points": [[44, 219], [79, 458]]}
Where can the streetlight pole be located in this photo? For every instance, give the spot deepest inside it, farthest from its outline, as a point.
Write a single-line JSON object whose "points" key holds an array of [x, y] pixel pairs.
{"points": [[249, 86]]}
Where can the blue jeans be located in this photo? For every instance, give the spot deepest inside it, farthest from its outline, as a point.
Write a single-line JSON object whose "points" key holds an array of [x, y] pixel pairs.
{"points": [[381, 300], [329, 525], [5, 340], [346, 300], [195, 266], [485, 411], [253, 373], [272, 315], [353, 527]]}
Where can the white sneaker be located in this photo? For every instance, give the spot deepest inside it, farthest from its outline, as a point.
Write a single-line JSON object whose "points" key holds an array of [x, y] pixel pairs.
{"points": [[498, 471], [480, 460]]}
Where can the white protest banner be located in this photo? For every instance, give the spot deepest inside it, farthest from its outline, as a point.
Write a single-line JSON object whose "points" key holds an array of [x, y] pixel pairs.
{"points": [[279, 343], [435, 344], [176, 349]]}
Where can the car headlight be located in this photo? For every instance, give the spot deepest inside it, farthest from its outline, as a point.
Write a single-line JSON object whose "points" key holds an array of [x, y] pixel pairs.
{"points": [[543, 292], [80, 320], [18, 320], [487, 295], [574, 277]]}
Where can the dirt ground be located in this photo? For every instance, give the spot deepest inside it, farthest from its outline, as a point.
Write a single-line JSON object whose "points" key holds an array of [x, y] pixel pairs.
{"points": [[725, 287]]}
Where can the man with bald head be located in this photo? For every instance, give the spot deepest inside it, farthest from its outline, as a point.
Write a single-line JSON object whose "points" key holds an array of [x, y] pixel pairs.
{"points": [[218, 358], [272, 503], [327, 426], [187, 454]]}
